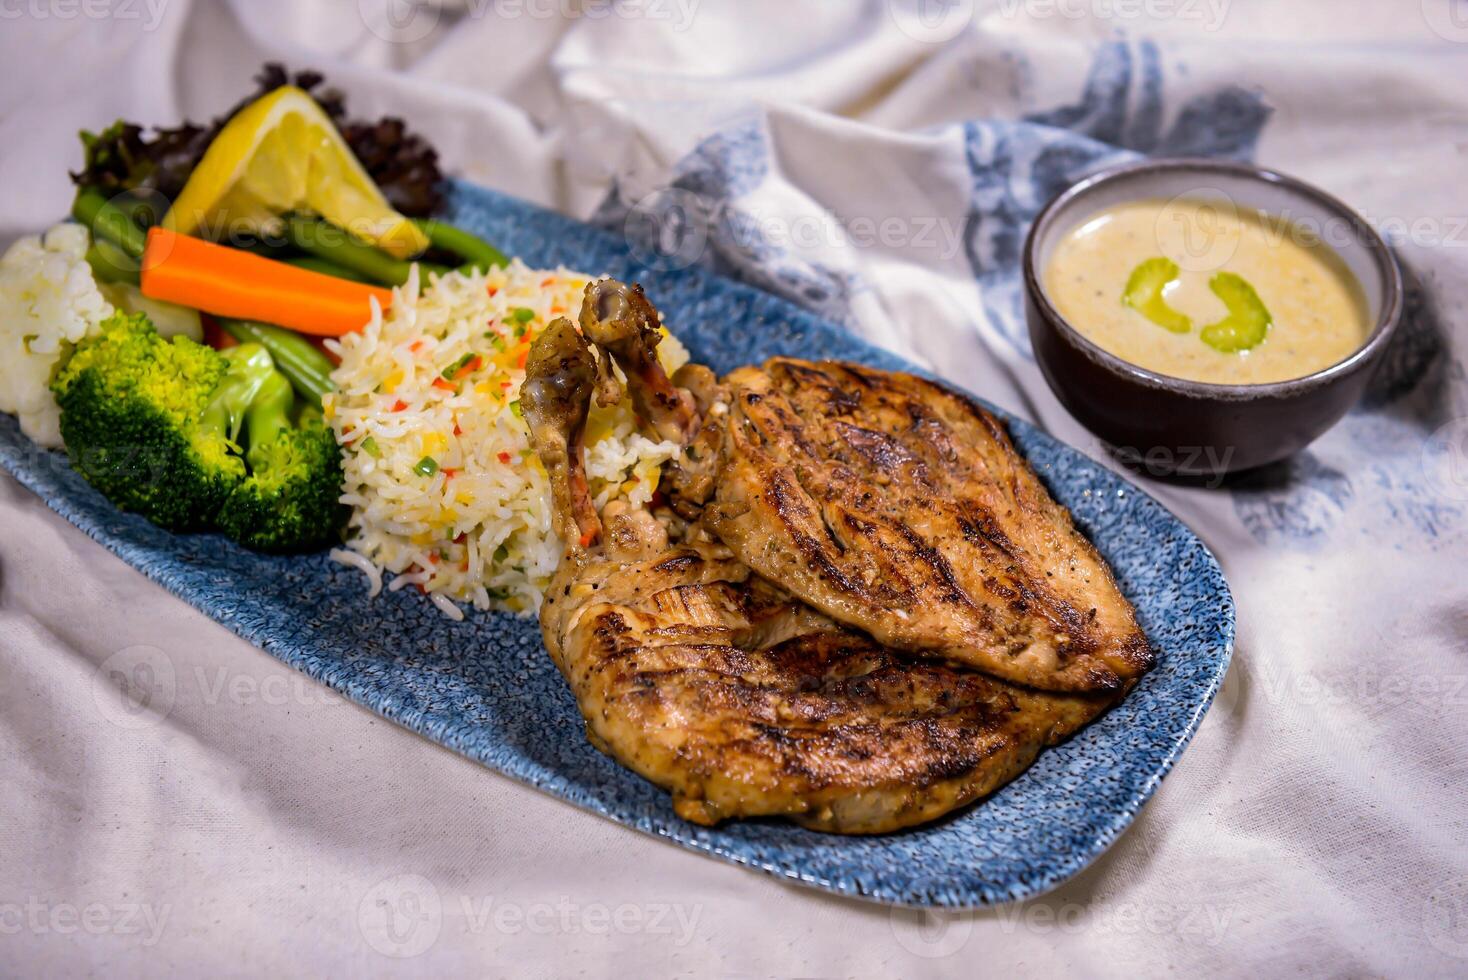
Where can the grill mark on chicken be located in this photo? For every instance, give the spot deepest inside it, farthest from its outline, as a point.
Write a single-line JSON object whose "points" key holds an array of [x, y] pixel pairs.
{"points": [[882, 451], [677, 563], [783, 501], [935, 562], [978, 564]]}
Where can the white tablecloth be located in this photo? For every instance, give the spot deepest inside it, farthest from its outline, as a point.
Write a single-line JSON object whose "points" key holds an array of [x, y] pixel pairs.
{"points": [[255, 824]]}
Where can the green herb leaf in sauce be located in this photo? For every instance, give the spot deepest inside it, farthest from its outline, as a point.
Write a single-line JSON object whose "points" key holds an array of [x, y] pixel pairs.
{"points": [[1248, 319], [1144, 294]]}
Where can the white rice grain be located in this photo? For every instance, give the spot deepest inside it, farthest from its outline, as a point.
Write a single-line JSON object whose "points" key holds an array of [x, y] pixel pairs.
{"points": [[354, 560], [445, 491]]}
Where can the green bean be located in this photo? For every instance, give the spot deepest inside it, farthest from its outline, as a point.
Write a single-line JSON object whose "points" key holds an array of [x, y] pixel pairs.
{"points": [[326, 241], [477, 253], [143, 211], [326, 268], [106, 220], [308, 370], [111, 264]]}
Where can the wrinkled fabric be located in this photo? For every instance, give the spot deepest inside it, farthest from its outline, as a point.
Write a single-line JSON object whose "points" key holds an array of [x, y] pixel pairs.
{"points": [[877, 163]]}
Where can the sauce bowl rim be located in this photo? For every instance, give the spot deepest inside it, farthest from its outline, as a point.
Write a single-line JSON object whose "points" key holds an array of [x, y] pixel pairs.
{"points": [[1381, 331]]}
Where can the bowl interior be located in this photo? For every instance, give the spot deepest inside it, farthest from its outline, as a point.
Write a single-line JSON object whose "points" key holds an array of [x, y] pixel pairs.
{"points": [[1298, 206]]}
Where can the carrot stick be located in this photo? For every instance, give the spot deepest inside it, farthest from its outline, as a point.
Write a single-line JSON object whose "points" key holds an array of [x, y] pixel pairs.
{"points": [[230, 283]]}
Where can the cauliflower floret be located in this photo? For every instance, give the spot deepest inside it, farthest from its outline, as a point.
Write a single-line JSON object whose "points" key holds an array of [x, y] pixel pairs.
{"points": [[48, 301]]}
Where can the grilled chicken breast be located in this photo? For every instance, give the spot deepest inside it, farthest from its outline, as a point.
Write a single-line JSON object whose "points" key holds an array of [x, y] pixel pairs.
{"points": [[744, 702], [896, 506], [721, 687]]}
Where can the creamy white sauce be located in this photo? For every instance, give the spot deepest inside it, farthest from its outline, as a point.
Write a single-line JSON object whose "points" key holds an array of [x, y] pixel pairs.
{"points": [[1318, 309]]}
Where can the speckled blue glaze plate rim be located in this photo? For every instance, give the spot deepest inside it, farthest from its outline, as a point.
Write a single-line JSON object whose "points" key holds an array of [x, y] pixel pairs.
{"points": [[485, 688]]}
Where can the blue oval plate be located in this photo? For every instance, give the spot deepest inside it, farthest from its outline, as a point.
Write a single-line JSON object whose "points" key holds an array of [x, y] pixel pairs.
{"points": [[487, 689]]}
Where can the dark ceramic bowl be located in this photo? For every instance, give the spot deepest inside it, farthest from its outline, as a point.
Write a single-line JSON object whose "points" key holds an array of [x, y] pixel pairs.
{"points": [[1170, 426]]}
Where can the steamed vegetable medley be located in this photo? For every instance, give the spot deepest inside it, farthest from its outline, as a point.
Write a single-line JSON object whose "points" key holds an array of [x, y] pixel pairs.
{"points": [[166, 338]]}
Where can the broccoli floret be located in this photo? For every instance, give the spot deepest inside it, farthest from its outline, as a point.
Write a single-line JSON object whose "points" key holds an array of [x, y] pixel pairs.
{"points": [[194, 439], [290, 501], [132, 408]]}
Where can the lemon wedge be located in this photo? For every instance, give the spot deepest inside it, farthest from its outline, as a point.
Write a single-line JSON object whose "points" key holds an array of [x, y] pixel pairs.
{"points": [[282, 153]]}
